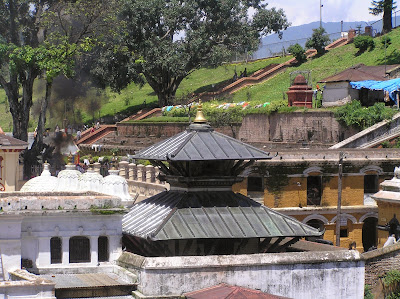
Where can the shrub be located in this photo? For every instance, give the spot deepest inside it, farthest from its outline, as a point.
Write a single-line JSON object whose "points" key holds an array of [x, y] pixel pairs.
{"points": [[353, 114], [385, 41], [391, 284], [298, 52], [363, 42], [318, 41]]}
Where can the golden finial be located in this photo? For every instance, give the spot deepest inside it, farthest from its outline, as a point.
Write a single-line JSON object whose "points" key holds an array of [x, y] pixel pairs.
{"points": [[200, 119], [70, 158], [114, 161]]}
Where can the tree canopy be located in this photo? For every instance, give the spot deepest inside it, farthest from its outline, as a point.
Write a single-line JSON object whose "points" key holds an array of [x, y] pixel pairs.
{"points": [[386, 7], [164, 41], [318, 41], [42, 38]]}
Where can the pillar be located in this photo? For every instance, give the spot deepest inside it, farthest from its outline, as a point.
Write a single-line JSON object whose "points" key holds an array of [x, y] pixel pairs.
{"points": [[123, 169], [140, 170], [97, 167], [94, 249], [149, 173], [130, 171], [65, 250]]}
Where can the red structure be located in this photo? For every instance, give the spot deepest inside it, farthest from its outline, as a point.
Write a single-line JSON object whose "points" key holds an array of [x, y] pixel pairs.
{"points": [[300, 94]]}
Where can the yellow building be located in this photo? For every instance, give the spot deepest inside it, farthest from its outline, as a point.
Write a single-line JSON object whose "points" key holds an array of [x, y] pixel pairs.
{"points": [[304, 184], [10, 149]]}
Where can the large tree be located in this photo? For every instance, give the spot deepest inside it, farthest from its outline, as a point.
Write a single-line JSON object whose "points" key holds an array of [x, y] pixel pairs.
{"points": [[386, 7], [165, 41], [42, 38]]}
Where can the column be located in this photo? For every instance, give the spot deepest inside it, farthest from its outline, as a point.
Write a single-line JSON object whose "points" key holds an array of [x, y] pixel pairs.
{"points": [[94, 248], [130, 171], [140, 169], [156, 174], [149, 171], [123, 169], [65, 250], [97, 167], [43, 257]]}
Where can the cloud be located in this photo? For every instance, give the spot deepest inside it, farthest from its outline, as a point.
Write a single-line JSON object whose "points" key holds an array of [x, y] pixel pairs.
{"points": [[307, 11]]}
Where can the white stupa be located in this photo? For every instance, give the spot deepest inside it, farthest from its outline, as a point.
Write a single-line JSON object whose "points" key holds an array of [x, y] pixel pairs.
{"points": [[114, 184], [91, 181], [43, 183], [68, 179]]}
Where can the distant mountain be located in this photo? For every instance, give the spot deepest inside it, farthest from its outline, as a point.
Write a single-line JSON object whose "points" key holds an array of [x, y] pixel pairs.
{"points": [[272, 45]]}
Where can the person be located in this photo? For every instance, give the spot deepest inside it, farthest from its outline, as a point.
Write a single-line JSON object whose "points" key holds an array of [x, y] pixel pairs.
{"points": [[245, 72], [352, 246], [235, 76], [78, 135], [97, 125], [390, 241]]}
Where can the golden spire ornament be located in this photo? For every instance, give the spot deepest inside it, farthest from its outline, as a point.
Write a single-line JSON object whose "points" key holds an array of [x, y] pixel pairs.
{"points": [[200, 119]]}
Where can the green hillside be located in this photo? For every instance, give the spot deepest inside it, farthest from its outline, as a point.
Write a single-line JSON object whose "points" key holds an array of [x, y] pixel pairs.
{"points": [[273, 90], [131, 98], [332, 62]]}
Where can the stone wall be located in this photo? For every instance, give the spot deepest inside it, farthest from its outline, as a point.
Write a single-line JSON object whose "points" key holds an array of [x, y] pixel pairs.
{"points": [[295, 275], [296, 127], [380, 261]]}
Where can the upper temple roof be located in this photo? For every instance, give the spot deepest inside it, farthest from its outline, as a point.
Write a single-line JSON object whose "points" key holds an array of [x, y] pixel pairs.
{"points": [[200, 143]]}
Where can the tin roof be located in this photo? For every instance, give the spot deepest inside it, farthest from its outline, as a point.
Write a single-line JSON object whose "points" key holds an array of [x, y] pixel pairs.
{"points": [[11, 142], [173, 215], [362, 72], [199, 143], [225, 291]]}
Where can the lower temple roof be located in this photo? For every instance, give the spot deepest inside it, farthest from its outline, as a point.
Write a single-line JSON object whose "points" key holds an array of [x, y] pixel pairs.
{"points": [[175, 215]]}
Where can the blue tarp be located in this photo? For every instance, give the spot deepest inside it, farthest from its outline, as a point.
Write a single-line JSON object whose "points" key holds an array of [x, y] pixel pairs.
{"points": [[391, 86]]}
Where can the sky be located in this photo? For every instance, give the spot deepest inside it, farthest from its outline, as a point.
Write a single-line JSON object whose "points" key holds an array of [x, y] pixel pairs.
{"points": [[301, 12]]}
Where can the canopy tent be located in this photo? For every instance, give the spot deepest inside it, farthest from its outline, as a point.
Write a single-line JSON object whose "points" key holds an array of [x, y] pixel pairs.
{"points": [[391, 86]]}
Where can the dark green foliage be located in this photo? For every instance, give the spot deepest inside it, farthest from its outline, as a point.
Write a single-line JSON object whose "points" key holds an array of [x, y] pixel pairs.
{"points": [[385, 41], [167, 41], [353, 114], [298, 52], [386, 7], [363, 42], [391, 284], [318, 41], [367, 292]]}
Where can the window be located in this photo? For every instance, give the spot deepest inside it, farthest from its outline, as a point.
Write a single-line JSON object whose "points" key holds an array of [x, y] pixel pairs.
{"points": [[314, 190], [255, 184], [103, 249], [79, 250], [55, 250], [371, 183], [344, 233]]}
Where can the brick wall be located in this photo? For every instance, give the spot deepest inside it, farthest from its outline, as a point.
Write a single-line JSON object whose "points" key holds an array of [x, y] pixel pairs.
{"points": [[380, 261]]}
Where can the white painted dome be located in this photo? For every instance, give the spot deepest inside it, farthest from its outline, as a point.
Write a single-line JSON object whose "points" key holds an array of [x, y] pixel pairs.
{"points": [[43, 183], [114, 184], [91, 181], [68, 179]]}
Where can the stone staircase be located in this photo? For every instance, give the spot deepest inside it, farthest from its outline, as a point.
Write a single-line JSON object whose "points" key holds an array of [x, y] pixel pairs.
{"points": [[373, 136], [92, 137], [263, 74]]}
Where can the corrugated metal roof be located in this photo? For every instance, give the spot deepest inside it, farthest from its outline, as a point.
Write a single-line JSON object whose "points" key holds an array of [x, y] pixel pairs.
{"points": [[198, 143], [173, 215]]}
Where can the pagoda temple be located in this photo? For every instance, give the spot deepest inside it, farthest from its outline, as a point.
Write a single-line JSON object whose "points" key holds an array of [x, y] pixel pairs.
{"points": [[200, 214]]}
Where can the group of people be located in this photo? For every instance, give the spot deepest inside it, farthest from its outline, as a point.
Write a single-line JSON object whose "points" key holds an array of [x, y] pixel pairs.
{"points": [[242, 75]]}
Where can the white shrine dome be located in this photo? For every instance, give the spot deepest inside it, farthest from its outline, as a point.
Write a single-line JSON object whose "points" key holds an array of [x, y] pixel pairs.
{"points": [[91, 181], [43, 183], [114, 184], [68, 179]]}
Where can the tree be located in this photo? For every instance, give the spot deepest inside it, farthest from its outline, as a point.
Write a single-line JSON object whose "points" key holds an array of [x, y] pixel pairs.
{"points": [[165, 41], [298, 52], [363, 42], [41, 38], [318, 41], [386, 7]]}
